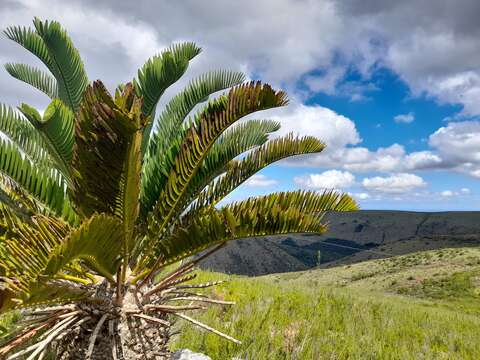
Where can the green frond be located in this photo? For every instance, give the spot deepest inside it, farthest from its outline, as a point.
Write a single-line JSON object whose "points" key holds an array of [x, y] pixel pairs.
{"points": [[97, 241], [25, 245], [239, 171], [161, 71], [43, 184], [234, 142], [51, 44], [177, 109], [31, 41], [217, 116], [17, 199], [65, 62], [106, 160], [47, 293], [57, 130], [34, 77], [273, 214], [25, 136]]}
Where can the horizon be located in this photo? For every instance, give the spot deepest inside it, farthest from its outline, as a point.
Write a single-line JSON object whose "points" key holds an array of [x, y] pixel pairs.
{"points": [[393, 94]]}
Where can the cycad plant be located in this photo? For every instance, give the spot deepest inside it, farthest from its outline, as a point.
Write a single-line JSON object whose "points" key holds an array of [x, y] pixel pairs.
{"points": [[101, 200]]}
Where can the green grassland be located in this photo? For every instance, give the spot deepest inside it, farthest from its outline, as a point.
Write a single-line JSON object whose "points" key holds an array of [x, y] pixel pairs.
{"points": [[424, 305]]}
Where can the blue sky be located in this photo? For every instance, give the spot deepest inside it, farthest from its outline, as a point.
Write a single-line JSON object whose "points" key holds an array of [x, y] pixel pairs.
{"points": [[392, 87], [375, 115]]}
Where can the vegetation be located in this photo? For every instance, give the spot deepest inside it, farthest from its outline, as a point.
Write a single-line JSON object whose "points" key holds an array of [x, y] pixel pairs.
{"points": [[99, 196], [338, 314]]}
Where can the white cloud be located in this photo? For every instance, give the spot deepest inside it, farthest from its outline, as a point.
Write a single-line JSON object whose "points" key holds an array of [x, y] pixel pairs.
{"points": [[433, 46], [330, 179], [361, 196], [435, 52], [259, 180], [448, 193], [458, 144], [451, 193], [335, 130], [399, 183], [404, 118]]}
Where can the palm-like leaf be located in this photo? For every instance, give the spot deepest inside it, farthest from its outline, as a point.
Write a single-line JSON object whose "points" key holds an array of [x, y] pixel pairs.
{"points": [[105, 134], [161, 71], [234, 142], [28, 140], [239, 171], [213, 121], [97, 241], [51, 44], [165, 143], [277, 213], [65, 62], [56, 128], [45, 185], [177, 109], [31, 41], [34, 77], [24, 250]]}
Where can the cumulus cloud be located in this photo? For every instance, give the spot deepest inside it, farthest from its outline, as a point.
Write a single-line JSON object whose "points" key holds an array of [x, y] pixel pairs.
{"points": [[458, 144], [396, 184], [432, 46], [361, 196], [404, 118], [330, 179], [260, 180], [452, 193], [448, 193], [335, 130]]}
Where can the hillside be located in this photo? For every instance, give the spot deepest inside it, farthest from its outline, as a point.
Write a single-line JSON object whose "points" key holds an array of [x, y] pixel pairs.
{"points": [[352, 237], [424, 305]]}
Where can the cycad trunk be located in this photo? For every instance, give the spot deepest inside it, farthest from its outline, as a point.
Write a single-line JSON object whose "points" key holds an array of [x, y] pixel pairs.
{"points": [[123, 334]]}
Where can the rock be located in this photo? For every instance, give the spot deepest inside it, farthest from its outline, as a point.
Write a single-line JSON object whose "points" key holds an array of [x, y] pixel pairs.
{"points": [[186, 354]]}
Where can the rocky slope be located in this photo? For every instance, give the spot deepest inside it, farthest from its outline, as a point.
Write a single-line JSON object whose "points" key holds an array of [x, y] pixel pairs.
{"points": [[352, 237]]}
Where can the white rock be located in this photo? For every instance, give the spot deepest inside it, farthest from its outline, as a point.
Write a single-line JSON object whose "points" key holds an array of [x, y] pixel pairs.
{"points": [[186, 354]]}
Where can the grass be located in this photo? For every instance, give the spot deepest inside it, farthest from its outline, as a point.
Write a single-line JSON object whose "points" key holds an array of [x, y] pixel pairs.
{"points": [[418, 306]]}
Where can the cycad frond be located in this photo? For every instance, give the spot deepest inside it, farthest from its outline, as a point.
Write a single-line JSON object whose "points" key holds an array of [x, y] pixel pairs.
{"points": [[31, 41], [218, 115], [106, 161], [51, 44], [164, 144], [34, 77], [239, 171], [38, 254], [234, 142], [177, 109], [25, 136], [273, 214], [65, 62], [97, 241], [56, 128], [161, 71], [46, 185], [17, 199]]}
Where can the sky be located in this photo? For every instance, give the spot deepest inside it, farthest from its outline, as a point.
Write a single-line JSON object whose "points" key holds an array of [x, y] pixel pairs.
{"points": [[391, 87]]}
